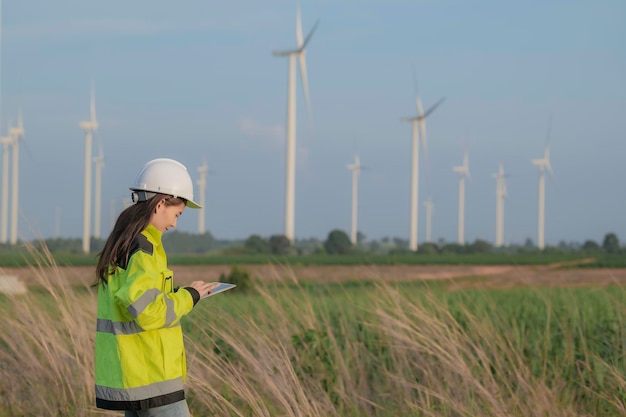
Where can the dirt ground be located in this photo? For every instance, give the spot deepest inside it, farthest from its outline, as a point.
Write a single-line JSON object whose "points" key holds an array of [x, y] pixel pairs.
{"points": [[458, 277]]}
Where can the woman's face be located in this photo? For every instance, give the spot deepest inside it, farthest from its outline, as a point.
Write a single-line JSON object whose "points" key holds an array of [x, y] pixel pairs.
{"points": [[164, 216]]}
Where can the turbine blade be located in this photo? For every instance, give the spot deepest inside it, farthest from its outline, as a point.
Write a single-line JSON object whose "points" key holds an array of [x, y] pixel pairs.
{"points": [[299, 37], [308, 37], [434, 106], [92, 106], [24, 144], [418, 102]]}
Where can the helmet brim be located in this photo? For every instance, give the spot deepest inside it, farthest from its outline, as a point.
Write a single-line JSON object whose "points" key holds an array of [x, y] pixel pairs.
{"points": [[193, 204]]}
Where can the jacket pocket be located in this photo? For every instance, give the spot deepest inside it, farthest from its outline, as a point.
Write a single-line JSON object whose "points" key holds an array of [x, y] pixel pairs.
{"points": [[168, 281]]}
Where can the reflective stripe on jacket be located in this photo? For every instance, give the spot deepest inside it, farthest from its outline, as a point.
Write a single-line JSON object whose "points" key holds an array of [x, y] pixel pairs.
{"points": [[140, 357]]}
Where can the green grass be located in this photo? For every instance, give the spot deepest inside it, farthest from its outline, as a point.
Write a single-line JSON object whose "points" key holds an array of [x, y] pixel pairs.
{"points": [[21, 258], [567, 339], [362, 348]]}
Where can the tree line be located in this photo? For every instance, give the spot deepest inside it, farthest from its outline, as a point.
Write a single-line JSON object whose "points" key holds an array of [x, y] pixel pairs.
{"points": [[337, 242]]}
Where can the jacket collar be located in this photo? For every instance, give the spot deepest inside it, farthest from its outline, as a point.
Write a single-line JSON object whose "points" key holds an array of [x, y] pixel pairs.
{"points": [[153, 234]]}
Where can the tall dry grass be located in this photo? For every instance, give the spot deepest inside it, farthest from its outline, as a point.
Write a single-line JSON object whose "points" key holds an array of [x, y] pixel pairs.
{"points": [[288, 351], [46, 346]]}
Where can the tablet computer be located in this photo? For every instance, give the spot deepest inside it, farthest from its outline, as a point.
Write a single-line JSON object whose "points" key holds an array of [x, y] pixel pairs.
{"points": [[223, 286]]}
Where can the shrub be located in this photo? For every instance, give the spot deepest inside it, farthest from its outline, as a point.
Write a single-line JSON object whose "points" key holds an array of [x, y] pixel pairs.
{"points": [[338, 242], [238, 276], [279, 244], [256, 244]]}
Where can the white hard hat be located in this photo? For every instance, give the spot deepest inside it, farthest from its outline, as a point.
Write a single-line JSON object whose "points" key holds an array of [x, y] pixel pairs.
{"points": [[164, 176]]}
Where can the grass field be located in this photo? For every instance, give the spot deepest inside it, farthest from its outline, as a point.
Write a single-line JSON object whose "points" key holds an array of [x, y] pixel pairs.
{"points": [[364, 348], [23, 257]]}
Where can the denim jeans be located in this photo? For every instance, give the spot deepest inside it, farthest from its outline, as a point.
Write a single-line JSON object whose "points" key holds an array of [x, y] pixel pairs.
{"points": [[177, 409]]}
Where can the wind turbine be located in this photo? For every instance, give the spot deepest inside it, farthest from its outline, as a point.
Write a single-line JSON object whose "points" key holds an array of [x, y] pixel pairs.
{"points": [[16, 134], [463, 171], [292, 54], [203, 170], [419, 120], [429, 219], [99, 164], [90, 127], [6, 142], [544, 166], [501, 194], [356, 171]]}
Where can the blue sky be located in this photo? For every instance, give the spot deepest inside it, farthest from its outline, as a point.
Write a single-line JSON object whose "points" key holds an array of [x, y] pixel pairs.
{"points": [[197, 79]]}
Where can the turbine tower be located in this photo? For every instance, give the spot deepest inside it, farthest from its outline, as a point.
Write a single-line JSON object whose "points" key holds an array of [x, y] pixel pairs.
{"points": [[16, 134], [544, 166], [463, 171], [203, 170], [429, 219], [290, 182], [501, 194], [99, 164], [90, 127], [419, 120], [356, 171], [6, 142]]}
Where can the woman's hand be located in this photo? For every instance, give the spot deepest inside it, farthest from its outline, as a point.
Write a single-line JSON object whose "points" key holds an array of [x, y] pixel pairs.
{"points": [[203, 288]]}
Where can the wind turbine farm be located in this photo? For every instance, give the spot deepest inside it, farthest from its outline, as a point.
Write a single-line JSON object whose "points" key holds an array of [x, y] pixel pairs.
{"points": [[353, 89], [374, 275]]}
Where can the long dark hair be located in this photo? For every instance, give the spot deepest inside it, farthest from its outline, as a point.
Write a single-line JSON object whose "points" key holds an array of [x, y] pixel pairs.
{"points": [[132, 221]]}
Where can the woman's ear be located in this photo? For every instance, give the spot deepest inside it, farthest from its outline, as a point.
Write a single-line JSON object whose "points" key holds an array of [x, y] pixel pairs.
{"points": [[158, 206]]}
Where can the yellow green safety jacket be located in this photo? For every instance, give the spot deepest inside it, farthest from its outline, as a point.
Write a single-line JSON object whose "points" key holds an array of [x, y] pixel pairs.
{"points": [[140, 356]]}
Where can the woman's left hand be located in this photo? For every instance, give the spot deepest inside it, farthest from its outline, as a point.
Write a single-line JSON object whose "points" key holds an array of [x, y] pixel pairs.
{"points": [[203, 288]]}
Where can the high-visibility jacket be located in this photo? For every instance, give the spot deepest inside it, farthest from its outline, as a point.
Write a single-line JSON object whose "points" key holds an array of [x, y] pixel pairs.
{"points": [[140, 357]]}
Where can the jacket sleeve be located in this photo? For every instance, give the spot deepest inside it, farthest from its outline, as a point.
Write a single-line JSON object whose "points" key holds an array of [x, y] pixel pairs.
{"points": [[145, 296]]}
